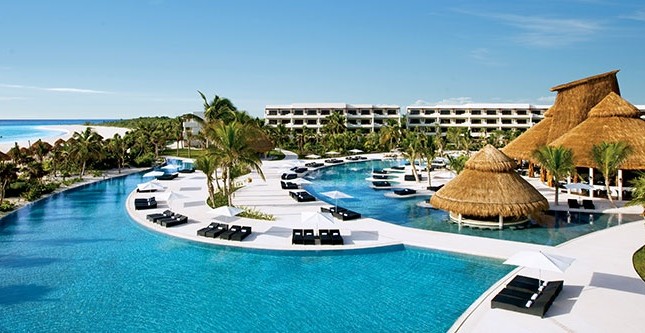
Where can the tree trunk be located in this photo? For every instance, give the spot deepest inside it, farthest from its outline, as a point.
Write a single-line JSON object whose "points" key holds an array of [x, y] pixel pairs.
{"points": [[229, 189], [211, 191], [83, 169], [611, 200], [557, 190], [4, 185]]}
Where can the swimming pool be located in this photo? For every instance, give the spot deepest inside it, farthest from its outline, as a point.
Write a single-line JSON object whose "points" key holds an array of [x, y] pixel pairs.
{"points": [[77, 262], [349, 178]]}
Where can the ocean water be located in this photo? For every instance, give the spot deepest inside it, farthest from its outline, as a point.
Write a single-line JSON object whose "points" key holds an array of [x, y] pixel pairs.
{"points": [[76, 262], [350, 178], [29, 129]]}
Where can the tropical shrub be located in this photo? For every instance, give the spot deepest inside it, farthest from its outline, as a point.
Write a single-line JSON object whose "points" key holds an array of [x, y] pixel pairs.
{"points": [[7, 206], [144, 160], [255, 214]]}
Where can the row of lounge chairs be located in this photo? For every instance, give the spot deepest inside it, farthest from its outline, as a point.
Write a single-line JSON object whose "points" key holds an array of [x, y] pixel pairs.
{"points": [[355, 158], [325, 236], [341, 213], [527, 295], [586, 204], [333, 161], [167, 218], [302, 196], [299, 169], [314, 164], [222, 231], [145, 203]]}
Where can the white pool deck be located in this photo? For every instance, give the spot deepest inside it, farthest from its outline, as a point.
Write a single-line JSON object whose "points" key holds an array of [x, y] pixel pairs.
{"points": [[602, 291]]}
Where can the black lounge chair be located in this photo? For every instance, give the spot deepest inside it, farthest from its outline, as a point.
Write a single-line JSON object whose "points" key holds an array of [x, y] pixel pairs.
{"points": [[526, 302], [173, 221], [228, 233], [325, 237], [336, 238], [288, 185], [380, 171], [240, 235], [405, 191], [202, 231], [381, 184], [186, 170], [346, 215], [140, 204], [309, 237], [298, 236], [288, 176], [153, 217], [409, 178], [168, 176], [213, 233], [299, 170], [398, 167], [588, 204], [573, 204], [380, 177], [435, 188], [332, 209], [302, 196]]}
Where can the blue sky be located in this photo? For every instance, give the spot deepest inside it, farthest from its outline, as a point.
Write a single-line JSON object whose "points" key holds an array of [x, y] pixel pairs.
{"points": [[125, 59]]}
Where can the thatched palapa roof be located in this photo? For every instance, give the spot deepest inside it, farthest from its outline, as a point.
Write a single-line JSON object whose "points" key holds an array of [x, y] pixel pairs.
{"points": [[489, 187], [613, 119], [572, 103]]}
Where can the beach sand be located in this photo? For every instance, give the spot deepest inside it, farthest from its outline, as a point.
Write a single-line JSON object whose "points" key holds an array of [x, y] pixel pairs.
{"points": [[104, 131]]}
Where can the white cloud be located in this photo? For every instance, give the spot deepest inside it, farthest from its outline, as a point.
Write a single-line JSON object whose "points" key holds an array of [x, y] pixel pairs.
{"points": [[545, 32], [63, 90], [638, 15], [546, 99], [11, 98], [483, 56], [455, 101], [420, 102]]}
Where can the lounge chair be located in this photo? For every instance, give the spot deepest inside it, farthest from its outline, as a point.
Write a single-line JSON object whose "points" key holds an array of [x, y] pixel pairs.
{"points": [[336, 238], [240, 235], [168, 176], [435, 188], [381, 184], [325, 237], [332, 209], [228, 233], [573, 204], [298, 236], [346, 215], [409, 178], [153, 217], [145, 203], [380, 171], [288, 185], [302, 196], [309, 237], [398, 167], [588, 204], [213, 233], [173, 221], [202, 231], [288, 176], [526, 302], [380, 176], [191, 170], [405, 191]]}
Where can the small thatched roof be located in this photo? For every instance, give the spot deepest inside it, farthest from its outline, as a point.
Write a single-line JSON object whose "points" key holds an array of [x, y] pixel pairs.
{"points": [[613, 119], [59, 142], [4, 157], [572, 103], [488, 187]]}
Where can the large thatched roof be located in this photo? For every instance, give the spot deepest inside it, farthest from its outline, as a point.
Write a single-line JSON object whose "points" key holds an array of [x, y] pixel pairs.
{"points": [[489, 186], [572, 103], [613, 119]]}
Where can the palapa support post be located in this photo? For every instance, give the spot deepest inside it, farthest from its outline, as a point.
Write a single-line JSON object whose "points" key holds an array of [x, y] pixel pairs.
{"points": [[591, 181], [619, 183], [531, 170], [459, 219], [501, 222]]}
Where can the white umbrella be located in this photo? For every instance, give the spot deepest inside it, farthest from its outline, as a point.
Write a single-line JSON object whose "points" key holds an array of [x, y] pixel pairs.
{"points": [[337, 195], [316, 218], [578, 186], [540, 260], [332, 153], [171, 195], [150, 186], [154, 173], [226, 211], [355, 151], [312, 156]]}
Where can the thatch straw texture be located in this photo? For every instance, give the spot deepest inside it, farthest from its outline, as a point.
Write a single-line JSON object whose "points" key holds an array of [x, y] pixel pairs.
{"points": [[489, 187], [613, 119], [4, 157], [523, 146], [572, 103]]}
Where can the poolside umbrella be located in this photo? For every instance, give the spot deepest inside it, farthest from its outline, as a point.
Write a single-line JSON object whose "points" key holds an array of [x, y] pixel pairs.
{"points": [[336, 195], [540, 260], [332, 153], [154, 173], [171, 196], [355, 151], [578, 186], [150, 186], [316, 218], [312, 156], [227, 211]]}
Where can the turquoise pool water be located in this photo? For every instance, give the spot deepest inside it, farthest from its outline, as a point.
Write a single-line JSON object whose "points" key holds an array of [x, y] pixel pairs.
{"points": [[350, 178], [76, 262]]}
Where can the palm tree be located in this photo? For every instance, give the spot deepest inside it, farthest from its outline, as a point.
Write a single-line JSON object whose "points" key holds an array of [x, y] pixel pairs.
{"points": [[8, 173], [390, 135], [208, 165], [638, 192], [86, 146], [219, 108], [608, 157], [231, 146], [412, 144], [558, 161], [40, 149], [335, 123], [457, 164], [428, 152], [119, 150]]}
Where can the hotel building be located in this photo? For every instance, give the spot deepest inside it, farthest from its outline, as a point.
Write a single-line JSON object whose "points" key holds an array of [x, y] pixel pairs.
{"points": [[358, 116], [480, 119]]}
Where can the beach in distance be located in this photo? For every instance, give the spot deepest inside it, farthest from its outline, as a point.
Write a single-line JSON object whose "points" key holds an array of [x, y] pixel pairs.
{"points": [[67, 132]]}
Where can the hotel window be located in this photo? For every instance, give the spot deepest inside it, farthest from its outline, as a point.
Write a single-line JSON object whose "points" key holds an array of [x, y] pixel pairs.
{"points": [[429, 112], [521, 121], [506, 121], [391, 112], [536, 112], [491, 112], [378, 112], [286, 122], [460, 112], [273, 113], [285, 112], [414, 121], [521, 112], [311, 112], [324, 112], [476, 112], [475, 121], [298, 112], [460, 121], [444, 112], [414, 112], [506, 112], [365, 112], [491, 121], [445, 121], [311, 122], [351, 112], [273, 122]]}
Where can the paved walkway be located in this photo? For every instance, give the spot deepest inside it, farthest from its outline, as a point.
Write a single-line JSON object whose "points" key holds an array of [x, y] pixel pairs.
{"points": [[602, 291]]}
